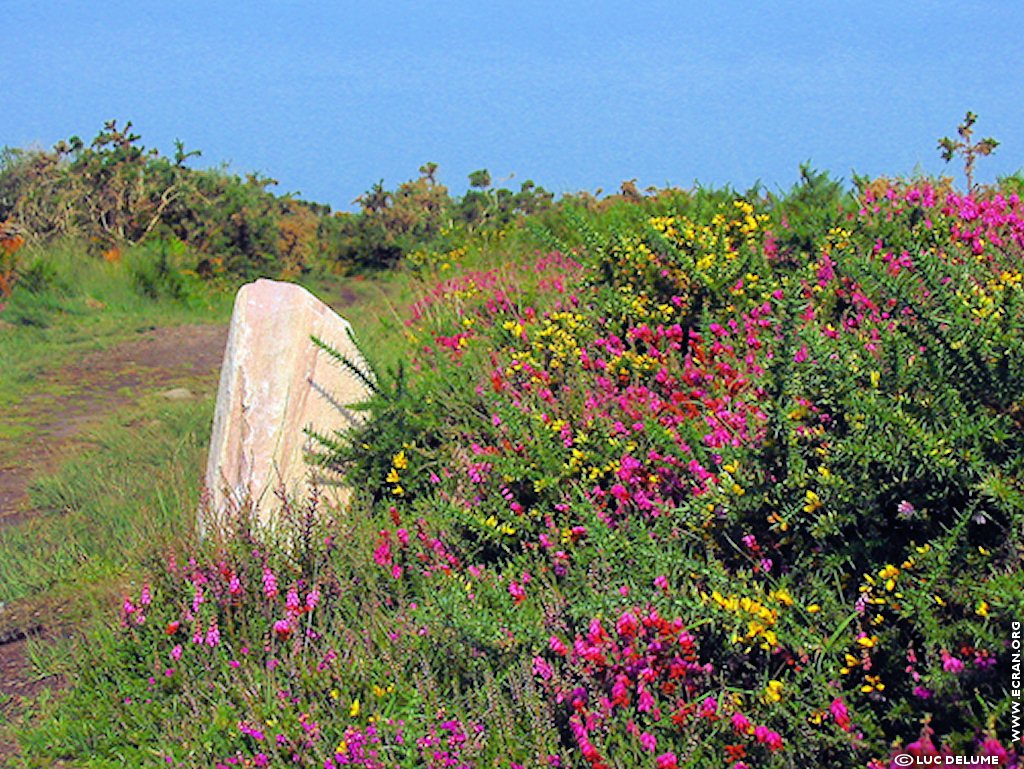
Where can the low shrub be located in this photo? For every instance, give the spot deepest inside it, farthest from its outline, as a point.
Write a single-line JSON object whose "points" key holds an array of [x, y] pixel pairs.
{"points": [[717, 485]]}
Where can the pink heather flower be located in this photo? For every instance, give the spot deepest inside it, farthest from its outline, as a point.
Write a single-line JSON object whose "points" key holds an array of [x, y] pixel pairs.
{"points": [[990, 746], [213, 635], [708, 707], [661, 582], [840, 714], [269, 583], [761, 733], [905, 510], [627, 625], [542, 668], [145, 598], [801, 354], [648, 742], [251, 731], [283, 628], [128, 607], [312, 599], [382, 553], [951, 664], [773, 741], [740, 723], [176, 652], [291, 602], [557, 646], [922, 692], [517, 592], [620, 690], [668, 761], [645, 703]]}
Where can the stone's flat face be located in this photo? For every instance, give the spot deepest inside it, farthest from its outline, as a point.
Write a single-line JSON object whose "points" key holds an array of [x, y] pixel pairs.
{"points": [[273, 385]]}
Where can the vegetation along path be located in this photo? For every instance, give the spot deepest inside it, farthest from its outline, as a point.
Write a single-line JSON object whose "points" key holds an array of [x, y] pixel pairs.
{"points": [[52, 425]]}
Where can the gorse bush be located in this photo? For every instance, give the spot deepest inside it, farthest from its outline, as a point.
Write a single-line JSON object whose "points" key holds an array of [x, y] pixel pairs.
{"points": [[114, 192], [726, 481]]}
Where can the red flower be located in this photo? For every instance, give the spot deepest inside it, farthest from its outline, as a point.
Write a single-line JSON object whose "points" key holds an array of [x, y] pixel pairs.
{"points": [[735, 752]]}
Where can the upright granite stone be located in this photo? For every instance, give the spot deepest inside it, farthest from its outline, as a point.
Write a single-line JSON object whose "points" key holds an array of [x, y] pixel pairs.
{"points": [[275, 383]]}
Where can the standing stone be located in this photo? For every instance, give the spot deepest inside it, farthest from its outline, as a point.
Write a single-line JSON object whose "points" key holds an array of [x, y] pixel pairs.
{"points": [[274, 383]]}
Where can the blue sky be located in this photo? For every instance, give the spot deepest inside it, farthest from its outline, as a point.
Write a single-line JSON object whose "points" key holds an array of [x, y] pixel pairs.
{"points": [[329, 97]]}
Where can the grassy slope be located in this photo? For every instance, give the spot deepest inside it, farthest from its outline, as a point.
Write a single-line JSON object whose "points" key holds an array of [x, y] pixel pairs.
{"points": [[135, 480], [131, 490]]}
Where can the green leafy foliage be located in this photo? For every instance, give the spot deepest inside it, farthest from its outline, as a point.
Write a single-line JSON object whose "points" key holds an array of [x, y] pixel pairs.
{"points": [[722, 478]]}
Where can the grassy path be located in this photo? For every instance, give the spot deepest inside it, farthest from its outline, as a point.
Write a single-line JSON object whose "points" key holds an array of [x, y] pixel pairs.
{"points": [[104, 421], [72, 411], [48, 424]]}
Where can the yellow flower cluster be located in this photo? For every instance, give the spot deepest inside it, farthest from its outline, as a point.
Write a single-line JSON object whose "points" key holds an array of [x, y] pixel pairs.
{"points": [[398, 462], [880, 590], [837, 239], [632, 363], [444, 260], [985, 301], [641, 307], [773, 692], [759, 616], [720, 238], [502, 527], [556, 340]]}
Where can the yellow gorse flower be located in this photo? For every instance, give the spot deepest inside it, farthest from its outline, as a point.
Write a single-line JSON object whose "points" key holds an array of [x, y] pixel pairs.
{"points": [[813, 501], [773, 692]]}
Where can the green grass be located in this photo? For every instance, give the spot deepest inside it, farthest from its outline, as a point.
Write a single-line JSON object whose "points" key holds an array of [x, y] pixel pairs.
{"points": [[70, 303], [132, 489], [135, 480], [374, 307], [129, 492]]}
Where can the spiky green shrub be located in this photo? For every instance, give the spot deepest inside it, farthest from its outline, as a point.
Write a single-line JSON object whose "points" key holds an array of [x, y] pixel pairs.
{"points": [[730, 481]]}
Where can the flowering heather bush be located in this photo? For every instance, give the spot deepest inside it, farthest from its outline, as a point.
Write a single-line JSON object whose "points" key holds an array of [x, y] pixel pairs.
{"points": [[720, 486]]}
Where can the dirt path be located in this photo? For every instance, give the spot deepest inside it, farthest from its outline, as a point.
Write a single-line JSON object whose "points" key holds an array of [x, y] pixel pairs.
{"points": [[67, 401], [71, 398]]}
